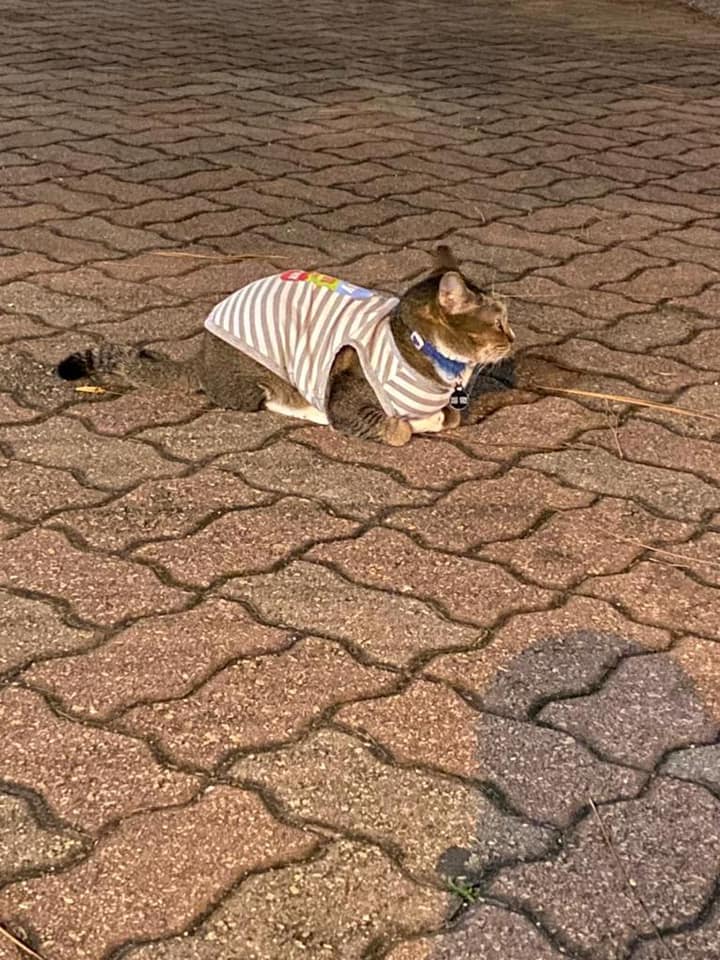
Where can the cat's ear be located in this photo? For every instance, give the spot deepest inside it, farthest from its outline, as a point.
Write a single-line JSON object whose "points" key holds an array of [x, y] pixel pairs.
{"points": [[453, 295]]}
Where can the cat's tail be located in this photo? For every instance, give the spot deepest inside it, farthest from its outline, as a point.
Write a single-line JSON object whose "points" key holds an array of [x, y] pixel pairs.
{"points": [[102, 358], [445, 259]]}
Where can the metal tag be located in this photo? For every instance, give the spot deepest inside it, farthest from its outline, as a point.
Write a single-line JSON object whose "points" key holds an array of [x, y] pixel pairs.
{"points": [[459, 399]]}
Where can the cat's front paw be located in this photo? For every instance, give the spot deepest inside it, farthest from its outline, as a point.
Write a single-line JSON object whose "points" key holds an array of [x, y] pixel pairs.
{"points": [[396, 432], [451, 418]]}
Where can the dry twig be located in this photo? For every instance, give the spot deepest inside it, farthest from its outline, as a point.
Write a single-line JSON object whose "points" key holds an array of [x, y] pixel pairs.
{"points": [[633, 401], [671, 553], [23, 947], [630, 884], [221, 259]]}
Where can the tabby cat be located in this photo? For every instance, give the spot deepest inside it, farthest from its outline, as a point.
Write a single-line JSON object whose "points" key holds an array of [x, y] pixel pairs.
{"points": [[321, 349]]}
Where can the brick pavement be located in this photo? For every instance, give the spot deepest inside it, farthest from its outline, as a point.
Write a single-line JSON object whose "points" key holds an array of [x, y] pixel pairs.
{"points": [[268, 692]]}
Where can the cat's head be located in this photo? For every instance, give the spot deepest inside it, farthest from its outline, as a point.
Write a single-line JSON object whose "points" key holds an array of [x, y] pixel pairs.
{"points": [[469, 323]]}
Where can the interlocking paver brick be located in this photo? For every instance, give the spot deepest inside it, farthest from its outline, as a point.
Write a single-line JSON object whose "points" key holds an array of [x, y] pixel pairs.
{"points": [[700, 764], [649, 373], [384, 626], [335, 905], [590, 269], [216, 432], [661, 594], [646, 707], [551, 653], [480, 511], [53, 307], [329, 777], [131, 411], [700, 660], [677, 280], [694, 944], [583, 895], [45, 561], [390, 560], [162, 509], [548, 423], [703, 351], [30, 629], [113, 776], [30, 492], [670, 325], [236, 709], [433, 464], [25, 844], [245, 540], [485, 932], [178, 652], [678, 495], [153, 875], [602, 539], [351, 489], [108, 462], [652, 443], [542, 773]]}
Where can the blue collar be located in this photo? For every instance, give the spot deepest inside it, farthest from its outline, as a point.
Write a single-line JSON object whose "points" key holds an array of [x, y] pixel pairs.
{"points": [[451, 369]]}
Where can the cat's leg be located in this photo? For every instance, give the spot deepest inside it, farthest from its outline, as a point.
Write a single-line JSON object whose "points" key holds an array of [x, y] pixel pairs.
{"points": [[353, 408], [446, 419]]}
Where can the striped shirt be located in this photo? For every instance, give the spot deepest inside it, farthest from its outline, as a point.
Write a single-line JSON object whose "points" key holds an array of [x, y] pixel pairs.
{"points": [[295, 323]]}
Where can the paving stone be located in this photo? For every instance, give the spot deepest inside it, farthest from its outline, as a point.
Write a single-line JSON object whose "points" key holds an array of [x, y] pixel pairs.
{"points": [[329, 777], [112, 776], [351, 489], [697, 944], [241, 541], [17, 266], [590, 269], [647, 706], [700, 660], [485, 932], [657, 593], [703, 351], [116, 297], [237, 710], [705, 303], [647, 372], [548, 654], [434, 463], [26, 845], [678, 495], [122, 415], [655, 283], [669, 844], [216, 432], [595, 304], [163, 509], [481, 511], [384, 626], [56, 308], [30, 491], [335, 905], [670, 325], [546, 424], [159, 658], [390, 560], [542, 773], [570, 546], [45, 562], [103, 461], [153, 875], [651, 443], [700, 764], [31, 629]]}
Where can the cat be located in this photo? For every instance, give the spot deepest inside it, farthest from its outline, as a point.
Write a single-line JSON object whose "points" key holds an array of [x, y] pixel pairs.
{"points": [[372, 366]]}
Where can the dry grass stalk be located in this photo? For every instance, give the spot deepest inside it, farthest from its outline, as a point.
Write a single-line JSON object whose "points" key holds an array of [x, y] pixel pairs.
{"points": [[630, 884], [633, 401], [217, 257], [670, 553], [23, 947]]}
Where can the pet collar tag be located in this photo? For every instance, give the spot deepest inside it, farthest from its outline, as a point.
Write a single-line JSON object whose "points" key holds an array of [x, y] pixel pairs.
{"points": [[459, 399]]}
